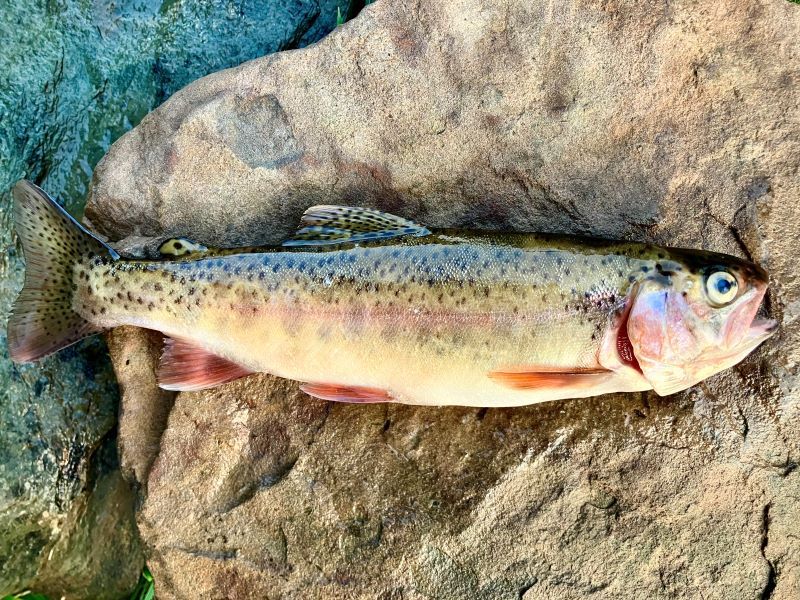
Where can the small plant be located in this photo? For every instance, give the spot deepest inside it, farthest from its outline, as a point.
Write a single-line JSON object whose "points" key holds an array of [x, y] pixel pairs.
{"points": [[354, 8], [144, 590]]}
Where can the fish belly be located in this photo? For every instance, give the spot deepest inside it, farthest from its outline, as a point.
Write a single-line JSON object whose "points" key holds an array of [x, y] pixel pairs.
{"points": [[413, 359]]}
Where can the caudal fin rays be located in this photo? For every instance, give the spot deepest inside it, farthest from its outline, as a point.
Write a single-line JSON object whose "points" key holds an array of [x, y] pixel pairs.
{"points": [[42, 319]]}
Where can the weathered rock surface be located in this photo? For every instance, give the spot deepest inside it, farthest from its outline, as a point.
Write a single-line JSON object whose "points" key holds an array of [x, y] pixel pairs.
{"points": [[674, 123], [74, 76]]}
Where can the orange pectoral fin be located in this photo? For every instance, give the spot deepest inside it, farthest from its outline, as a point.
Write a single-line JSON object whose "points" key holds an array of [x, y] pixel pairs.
{"points": [[530, 378], [346, 393], [186, 367]]}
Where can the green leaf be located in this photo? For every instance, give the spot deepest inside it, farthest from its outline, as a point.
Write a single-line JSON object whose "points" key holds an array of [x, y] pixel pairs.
{"points": [[146, 588]]}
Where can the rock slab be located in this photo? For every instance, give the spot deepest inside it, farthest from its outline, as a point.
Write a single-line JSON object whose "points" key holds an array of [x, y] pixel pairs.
{"points": [[673, 123]]}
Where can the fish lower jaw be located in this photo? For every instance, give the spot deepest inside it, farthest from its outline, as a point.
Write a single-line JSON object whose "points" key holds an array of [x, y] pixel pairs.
{"points": [[762, 329], [759, 331]]}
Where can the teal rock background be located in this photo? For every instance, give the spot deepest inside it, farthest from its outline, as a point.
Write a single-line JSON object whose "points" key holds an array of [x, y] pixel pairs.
{"points": [[74, 76]]}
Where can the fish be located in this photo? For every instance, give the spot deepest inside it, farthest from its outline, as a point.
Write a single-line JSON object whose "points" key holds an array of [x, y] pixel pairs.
{"points": [[363, 306]]}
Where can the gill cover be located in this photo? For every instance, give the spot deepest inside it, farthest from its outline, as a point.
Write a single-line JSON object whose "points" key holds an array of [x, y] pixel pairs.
{"points": [[662, 338]]}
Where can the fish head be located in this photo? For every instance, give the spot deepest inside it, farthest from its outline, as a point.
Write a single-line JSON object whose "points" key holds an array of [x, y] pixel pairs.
{"points": [[694, 315]]}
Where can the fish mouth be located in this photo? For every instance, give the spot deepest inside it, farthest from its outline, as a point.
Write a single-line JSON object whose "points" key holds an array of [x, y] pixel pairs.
{"points": [[761, 330], [758, 332], [737, 334]]}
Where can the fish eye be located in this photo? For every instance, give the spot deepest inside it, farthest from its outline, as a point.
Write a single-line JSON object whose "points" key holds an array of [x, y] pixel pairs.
{"points": [[721, 287]]}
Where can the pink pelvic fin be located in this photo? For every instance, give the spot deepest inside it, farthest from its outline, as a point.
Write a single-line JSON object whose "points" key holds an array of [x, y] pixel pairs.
{"points": [[346, 393], [187, 367], [529, 378]]}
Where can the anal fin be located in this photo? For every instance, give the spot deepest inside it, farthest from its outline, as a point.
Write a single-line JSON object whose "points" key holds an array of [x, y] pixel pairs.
{"points": [[530, 378], [346, 393], [187, 367]]}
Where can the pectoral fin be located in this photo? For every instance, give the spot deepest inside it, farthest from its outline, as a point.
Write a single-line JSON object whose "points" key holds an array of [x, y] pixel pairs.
{"points": [[346, 393], [529, 378], [187, 367]]}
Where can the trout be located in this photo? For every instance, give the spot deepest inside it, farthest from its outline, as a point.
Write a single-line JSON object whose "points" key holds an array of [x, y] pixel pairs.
{"points": [[364, 306]]}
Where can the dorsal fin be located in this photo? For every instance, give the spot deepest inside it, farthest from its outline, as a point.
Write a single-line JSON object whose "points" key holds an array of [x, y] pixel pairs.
{"points": [[326, 224]]}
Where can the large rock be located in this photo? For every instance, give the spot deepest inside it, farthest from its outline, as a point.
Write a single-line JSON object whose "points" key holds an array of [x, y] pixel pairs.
{"points": [[675, 123], [74, 76]]}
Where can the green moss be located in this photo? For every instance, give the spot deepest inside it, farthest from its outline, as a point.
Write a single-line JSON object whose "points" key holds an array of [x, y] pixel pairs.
{"points": [[146, 588]]}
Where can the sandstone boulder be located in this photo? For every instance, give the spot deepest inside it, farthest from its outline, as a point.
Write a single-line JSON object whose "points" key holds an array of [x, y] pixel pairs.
{"points": [[674, 123]]}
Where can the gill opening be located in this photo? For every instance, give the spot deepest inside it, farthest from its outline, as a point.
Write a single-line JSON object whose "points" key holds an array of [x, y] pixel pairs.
{"points": [[624, 346]]}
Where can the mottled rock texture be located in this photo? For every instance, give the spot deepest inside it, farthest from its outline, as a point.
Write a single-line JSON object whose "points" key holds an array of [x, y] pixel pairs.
{"points": [[674, 123], [74, 76]]}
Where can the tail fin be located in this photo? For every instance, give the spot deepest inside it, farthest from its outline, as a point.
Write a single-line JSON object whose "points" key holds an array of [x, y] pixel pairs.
{"points": [[42, 320]]}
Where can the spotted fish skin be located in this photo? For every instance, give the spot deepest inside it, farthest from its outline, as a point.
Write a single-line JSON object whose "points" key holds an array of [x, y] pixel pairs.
{"points": [[365, 307], [393, 316]]}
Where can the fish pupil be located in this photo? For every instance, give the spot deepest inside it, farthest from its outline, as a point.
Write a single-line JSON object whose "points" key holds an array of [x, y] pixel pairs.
{"points": [[723, 286]]}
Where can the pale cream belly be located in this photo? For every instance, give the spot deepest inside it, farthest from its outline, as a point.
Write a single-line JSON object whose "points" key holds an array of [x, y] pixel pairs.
{"points": [[314, 346]]}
